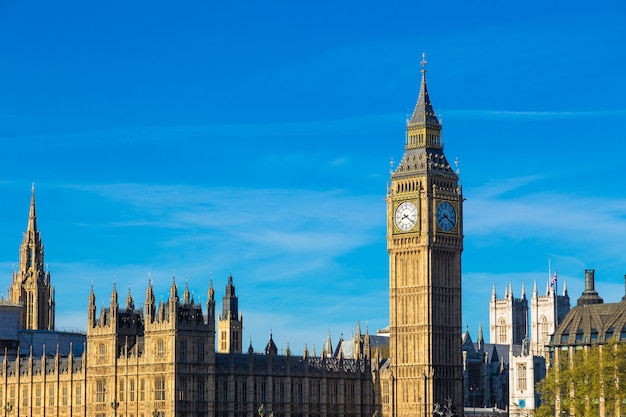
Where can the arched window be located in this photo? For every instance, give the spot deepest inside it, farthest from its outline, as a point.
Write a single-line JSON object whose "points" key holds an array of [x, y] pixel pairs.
{"points": [[502, 336]]}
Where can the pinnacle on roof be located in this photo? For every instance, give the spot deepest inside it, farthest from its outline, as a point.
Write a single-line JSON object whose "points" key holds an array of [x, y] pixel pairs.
{"points": [[423, 112], [211, 292], [270, 348], [186, 294], [32, 215]]}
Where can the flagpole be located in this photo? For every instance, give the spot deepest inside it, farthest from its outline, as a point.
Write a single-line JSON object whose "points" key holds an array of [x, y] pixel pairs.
{"points": [[556, 300]]}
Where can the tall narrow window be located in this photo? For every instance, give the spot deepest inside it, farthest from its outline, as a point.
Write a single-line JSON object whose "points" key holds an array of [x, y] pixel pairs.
{"points": [[122, 396], [183, 351], [200, 358], [159, 389], [101, 390], [200, 389], [102, 353], [521, 377], [51, 396], [131, 390], [160, 349], [79, 394], [64, 395], [25, 396], [502, 332], [142, 389]]}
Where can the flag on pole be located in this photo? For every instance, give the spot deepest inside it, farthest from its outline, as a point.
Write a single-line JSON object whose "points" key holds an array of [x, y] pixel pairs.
{"points": [[553, 280]]}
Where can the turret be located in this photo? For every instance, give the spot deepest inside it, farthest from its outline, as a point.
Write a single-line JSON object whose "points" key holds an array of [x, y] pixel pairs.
{"points": [[230, 322], [130, 303], [173, 301], [114, 307], [210, 306], [91, 309], [150, 304], [186, 294]]}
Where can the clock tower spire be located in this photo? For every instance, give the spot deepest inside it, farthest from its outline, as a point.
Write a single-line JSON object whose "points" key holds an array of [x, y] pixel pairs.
{"points": [[425, 241]]}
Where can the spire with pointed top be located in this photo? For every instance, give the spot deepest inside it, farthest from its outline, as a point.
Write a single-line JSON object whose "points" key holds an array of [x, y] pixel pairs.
{"points": [[114, 301], [130, 303], [91, 309], [493, 291], [230, 303], [534, 288], [186, 294], [523, 290], [211, 292], [174, 291], [328, 348], [32, 215], [423, 114], [31, 283], [270, 348]]}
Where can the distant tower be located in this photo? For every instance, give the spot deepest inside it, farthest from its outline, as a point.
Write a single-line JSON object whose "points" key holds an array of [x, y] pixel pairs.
{"points": [[543, 313], [424, 241], [508, 317], [230, 322], [31, 284]]}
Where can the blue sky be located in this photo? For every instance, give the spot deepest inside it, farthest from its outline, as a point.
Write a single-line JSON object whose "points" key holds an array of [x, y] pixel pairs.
{"points": [[255, 139]]}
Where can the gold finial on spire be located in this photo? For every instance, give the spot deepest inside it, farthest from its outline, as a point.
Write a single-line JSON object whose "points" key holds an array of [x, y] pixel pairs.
{"points": [[424, 62]]}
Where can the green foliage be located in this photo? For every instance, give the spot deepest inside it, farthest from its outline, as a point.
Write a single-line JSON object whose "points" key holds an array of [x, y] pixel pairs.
{"points": [[585, 381]]}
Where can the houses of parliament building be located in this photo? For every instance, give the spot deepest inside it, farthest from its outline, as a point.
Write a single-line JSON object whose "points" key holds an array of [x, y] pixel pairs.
{"points": [[181, 358]]}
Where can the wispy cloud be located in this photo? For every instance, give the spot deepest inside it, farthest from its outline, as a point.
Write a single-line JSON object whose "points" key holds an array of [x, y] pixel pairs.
{"points": [[530, 115]]}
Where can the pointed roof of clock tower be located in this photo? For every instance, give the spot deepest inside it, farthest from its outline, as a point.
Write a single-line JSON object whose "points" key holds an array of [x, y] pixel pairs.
{"points": [[423, 112], [423, 144]]}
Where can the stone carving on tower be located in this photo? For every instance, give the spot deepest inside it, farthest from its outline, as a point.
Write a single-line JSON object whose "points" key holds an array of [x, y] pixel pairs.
{"points": [[424, 241], [30, 285]]}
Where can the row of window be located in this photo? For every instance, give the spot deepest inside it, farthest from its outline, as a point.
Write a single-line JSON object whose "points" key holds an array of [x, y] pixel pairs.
{"points": [[159, 351], [51, 398], [159, 390], [581, 337]]}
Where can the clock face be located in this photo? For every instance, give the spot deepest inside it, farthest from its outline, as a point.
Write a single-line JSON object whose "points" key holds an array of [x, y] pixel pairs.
{"points": [[446, 216], [406, 216]]}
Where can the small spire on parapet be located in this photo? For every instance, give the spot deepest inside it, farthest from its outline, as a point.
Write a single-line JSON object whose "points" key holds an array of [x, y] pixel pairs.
{"points": [[186, 294]]}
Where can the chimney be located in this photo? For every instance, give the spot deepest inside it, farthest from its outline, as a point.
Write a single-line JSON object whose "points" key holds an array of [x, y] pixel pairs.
{"points": [[589, 296]]}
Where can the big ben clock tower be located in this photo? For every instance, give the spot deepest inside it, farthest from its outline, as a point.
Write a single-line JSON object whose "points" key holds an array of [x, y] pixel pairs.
{"points": [[425, 241]]}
